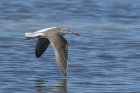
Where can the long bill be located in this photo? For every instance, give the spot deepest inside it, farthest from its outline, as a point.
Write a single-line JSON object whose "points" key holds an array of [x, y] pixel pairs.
{"points": [[76, 34]]}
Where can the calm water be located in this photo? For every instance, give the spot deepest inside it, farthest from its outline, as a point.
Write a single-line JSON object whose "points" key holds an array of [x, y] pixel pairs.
{"points": [[105, 58]]}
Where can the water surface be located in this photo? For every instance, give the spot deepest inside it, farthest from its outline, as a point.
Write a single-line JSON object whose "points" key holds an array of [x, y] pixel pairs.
{"points": [[105, 58]]}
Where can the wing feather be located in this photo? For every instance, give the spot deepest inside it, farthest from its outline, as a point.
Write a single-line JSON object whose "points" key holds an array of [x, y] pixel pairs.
{"points": [[41, 46], [61, 52], [61, 57]]}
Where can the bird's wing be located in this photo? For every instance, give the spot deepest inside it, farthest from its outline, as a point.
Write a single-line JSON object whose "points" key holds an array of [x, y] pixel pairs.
{"points": [[61, 52], [41, 46]]}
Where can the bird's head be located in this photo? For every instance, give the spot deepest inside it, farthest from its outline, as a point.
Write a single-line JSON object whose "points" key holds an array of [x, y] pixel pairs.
{"points": [[67, 31]]}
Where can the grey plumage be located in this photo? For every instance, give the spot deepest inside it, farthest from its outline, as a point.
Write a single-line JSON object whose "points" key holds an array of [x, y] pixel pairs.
{"points": [[54, 36]]}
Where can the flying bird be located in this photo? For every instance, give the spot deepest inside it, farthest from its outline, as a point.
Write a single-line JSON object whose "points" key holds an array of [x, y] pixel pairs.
{"points": [[53, 35]]}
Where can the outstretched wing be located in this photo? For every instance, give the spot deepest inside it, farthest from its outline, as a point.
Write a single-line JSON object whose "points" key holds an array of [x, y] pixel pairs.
{"points": [[41, 46], [61, 52]]}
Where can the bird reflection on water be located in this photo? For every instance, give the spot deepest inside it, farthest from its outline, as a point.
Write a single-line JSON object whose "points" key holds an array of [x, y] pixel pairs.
{"points": [[44, 86]]}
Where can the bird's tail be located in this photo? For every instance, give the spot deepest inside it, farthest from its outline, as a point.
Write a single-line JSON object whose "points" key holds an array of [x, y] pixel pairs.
{"points": [[28, 36]]}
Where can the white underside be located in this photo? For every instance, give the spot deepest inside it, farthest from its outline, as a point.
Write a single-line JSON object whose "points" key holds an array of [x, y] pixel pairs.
{"points": [[39, 33]]}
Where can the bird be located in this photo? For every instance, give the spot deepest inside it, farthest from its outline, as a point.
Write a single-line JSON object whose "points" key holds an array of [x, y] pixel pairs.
{"points": [[53, 35]]}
